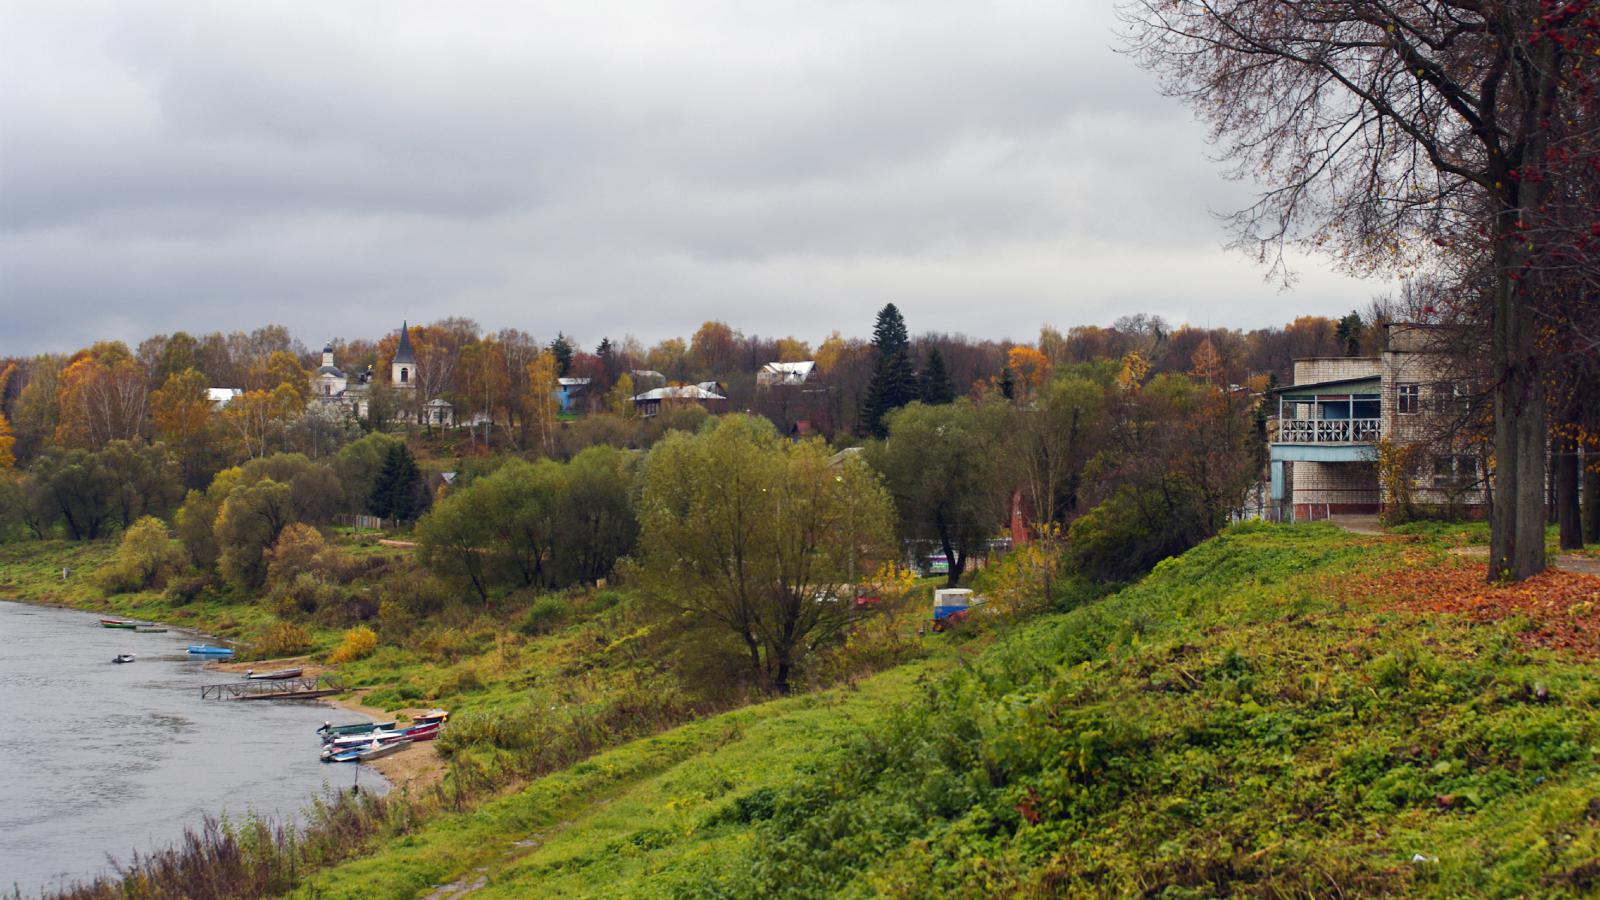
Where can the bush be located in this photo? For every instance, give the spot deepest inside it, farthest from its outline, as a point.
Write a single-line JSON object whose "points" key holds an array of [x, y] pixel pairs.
{"points": [[1133, 529], [282, 639], [145, 559], [358, 643], [545, 616]]}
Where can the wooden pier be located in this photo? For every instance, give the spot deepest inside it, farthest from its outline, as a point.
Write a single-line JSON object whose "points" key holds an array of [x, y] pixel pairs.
{"points": [[287, 689]]}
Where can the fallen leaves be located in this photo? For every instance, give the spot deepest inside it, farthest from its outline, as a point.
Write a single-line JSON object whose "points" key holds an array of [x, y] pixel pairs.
{"points": [[1562, 608]]}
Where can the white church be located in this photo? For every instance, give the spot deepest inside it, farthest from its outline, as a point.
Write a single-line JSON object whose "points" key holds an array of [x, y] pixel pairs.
{"points": [[332, 387]]}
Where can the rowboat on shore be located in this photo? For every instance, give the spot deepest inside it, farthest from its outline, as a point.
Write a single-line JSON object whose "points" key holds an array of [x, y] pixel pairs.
{"points": [[329, 731], [425, 732], [203, 650], [350, 741], [383, 750], [362, 752], [279, 675], [432, 716], [118, 623]]}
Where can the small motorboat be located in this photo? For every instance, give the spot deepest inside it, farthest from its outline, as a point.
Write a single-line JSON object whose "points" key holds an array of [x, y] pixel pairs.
{"points": [[426, 732], [329, 731], [122, 658], [432, 716], [279, 675], [203, 650], [346, 754], [382, 750], [360, 740]]}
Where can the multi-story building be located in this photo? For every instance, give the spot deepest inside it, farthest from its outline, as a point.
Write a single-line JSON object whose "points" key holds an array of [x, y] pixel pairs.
{"points": [[1332, 420]]}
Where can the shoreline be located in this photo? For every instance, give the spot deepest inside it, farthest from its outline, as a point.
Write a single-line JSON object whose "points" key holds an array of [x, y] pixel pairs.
{"points": [[415, 769]]}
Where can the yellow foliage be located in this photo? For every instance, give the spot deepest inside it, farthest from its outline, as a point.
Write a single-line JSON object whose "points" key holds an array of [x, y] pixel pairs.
{"points": [[359, 642]]}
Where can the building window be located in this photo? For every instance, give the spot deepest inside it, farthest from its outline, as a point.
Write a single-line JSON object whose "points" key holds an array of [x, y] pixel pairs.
{"points": [[1451, 398], [1408, 398], [403, 374], [1455, 471]]}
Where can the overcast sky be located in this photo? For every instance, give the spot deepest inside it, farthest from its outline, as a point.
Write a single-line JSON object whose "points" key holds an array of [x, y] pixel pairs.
{"points": [[603, 168]]}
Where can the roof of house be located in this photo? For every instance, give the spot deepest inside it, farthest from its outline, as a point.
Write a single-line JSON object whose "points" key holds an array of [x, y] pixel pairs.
{"points": [[801, 369], [403, 353], [1348, 385], [440, 403], [573, 382], [685, 392], [330, 370], [223, 395]]}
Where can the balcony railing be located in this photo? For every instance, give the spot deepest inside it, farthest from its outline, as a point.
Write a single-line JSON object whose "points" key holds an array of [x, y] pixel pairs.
{"points": [[1328, 431]]}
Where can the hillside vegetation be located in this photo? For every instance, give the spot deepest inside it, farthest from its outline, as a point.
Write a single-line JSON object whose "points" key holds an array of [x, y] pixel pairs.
{"points": [[1256, 716]]}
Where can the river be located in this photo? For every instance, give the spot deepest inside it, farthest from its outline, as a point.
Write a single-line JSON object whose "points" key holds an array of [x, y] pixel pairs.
{"points": [[100, 760]]}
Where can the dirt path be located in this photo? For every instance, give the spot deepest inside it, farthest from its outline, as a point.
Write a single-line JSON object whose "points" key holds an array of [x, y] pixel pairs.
{"points": [[1566, 562]]}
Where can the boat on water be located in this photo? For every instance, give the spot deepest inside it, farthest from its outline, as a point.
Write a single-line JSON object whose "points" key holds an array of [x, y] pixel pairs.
{"points": [[329, 731], [383, 750], [123, 658], [118, 623], [149, 629], [279, 675], [203, 650]]}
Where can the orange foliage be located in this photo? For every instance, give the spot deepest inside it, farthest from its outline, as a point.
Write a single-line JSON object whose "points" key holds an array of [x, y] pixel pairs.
{"points": [[1563, 607]]}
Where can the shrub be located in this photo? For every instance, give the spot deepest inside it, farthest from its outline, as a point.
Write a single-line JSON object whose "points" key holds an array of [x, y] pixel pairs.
{"points": [[359, 642], [544, 616], [145, 559], [283, 639]]}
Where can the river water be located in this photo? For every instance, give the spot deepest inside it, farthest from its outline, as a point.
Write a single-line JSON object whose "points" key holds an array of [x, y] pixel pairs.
{"points": [[100, 760]]}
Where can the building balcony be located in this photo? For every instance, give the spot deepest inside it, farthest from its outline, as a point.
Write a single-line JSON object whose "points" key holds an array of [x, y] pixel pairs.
{"points": [[1329, 431]]}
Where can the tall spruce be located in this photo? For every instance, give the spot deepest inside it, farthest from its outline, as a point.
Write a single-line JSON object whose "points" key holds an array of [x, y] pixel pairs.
{"points": [[894, 378], [394, 492], [561, 348], [936, 386]]}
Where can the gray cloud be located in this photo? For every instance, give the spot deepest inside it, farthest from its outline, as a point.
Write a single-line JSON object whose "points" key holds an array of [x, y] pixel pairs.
{"points": [[601, 168]]}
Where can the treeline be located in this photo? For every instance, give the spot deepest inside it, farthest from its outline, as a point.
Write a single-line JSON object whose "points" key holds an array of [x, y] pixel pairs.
{"points": [[505, 380]]}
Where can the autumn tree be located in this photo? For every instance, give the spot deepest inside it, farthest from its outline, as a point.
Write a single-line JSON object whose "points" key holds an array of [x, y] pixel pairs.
{"points": [[1029, 367], [102, 397], [541, 405], [761, 538], [181, 412], [1383, 128], [711, 350], [8, 459]]}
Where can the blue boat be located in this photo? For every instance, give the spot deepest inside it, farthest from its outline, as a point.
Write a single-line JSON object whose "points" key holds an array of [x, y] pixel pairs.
{"points": [[203, 650]]}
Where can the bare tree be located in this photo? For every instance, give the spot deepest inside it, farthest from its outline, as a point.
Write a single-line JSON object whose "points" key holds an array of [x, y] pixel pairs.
{"points": [[1381, 128]]}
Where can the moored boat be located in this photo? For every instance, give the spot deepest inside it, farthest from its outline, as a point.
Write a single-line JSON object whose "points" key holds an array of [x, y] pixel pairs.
{"points": [[149, 629], [425, 732], [118, 623], [383, 750], [123, 658], [203, 650], [279, 675], [430, 717], [357, 740], [329, 731]]}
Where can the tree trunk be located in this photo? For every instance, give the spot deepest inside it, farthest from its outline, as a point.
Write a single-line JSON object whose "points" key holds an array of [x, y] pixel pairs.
{"points": [[1516, 525], [1591, 498], [1566, 486]]}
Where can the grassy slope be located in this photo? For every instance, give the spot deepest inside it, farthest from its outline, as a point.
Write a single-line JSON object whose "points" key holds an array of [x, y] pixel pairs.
{"points": [[1238, 722], [604, 822]]}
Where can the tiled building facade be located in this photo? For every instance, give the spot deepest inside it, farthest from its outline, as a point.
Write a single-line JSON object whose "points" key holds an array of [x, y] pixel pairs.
{"points": [[1325, 439]]}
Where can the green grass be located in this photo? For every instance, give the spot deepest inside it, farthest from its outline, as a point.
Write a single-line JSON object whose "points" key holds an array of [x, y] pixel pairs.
{"points": [[1237, 722]]}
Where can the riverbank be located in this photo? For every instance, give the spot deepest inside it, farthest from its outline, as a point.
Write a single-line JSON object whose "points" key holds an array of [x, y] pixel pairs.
{"points": [[100, 759]]}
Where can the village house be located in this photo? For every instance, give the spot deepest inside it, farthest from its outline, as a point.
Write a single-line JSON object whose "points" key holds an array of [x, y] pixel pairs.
{"points": [[785, 374], [652, 402], [1331, 425]]}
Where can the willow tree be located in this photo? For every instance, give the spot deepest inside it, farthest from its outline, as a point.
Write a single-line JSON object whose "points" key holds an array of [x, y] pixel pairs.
{"points": [[762, 537], [1383, 131]]}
